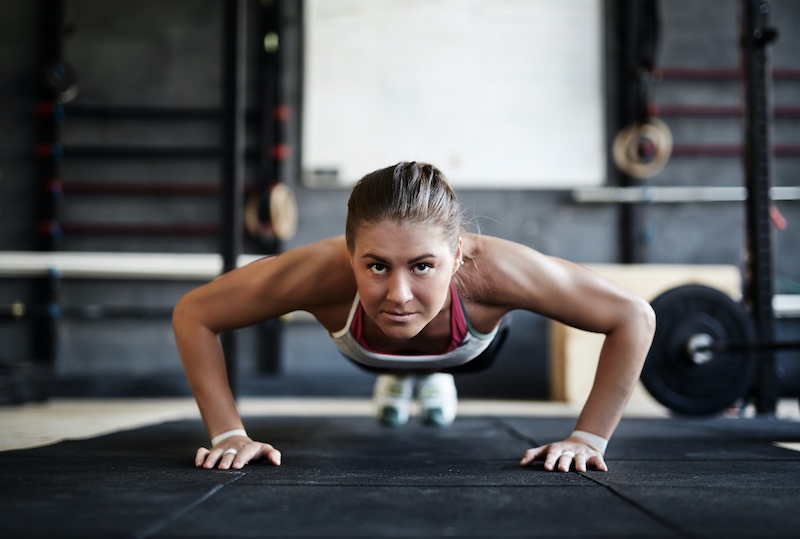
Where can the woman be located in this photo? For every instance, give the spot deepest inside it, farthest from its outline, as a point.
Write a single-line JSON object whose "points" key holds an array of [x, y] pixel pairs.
{"points": [[406, 291]]}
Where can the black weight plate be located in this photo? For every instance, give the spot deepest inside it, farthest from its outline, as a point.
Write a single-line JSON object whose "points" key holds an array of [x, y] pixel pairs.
{"points": [[670, 374]]}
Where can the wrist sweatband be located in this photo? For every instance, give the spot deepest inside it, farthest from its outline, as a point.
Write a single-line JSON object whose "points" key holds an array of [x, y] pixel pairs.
{"points": [[219, 437], [594, 440]]}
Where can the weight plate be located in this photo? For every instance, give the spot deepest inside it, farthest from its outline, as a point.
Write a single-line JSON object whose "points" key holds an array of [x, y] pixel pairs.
{"points": [[283, 211], [272, 215], [699, 382], [641, 150]]}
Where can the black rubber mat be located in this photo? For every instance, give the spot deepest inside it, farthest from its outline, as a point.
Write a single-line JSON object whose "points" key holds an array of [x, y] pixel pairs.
{"points": [[348, 477]]}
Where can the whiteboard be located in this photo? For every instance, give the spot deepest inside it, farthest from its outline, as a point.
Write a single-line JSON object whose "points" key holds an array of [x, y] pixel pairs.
{"points": [[496, 93]]}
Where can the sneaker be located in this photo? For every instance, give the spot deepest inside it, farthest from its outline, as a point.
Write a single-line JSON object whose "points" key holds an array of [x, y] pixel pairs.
{"points": [[392, 399], [438, 399]]}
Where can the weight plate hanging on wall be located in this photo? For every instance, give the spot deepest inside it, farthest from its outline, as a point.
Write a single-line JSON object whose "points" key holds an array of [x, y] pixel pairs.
{"points": [[273, 214], [641, 150], [684, 371]]}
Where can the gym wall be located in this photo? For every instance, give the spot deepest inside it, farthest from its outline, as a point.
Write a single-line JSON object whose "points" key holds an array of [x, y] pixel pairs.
{"points": [[167, 55]]}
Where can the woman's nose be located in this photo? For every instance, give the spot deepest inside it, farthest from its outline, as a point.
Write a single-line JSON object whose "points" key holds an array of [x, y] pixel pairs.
{"points": [[399, 290]]}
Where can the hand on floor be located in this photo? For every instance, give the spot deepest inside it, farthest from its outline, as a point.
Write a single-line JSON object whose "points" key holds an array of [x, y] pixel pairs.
{"points": [[234, 453], [560, 456]]}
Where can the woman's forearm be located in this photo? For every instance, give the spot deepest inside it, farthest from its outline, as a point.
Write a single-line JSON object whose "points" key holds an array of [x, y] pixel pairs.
{"points": [[619, 367], [204, 366]]}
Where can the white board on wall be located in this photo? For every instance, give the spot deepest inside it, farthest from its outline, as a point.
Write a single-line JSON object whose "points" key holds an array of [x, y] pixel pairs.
{"points": [[496, 93]]}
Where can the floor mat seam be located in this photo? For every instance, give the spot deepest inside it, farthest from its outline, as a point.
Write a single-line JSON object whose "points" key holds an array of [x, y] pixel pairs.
{"points": [[512, 431], [639, 507], [669, 525], [163, 523]]}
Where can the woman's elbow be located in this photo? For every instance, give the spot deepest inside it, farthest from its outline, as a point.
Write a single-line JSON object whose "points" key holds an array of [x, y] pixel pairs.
{"points": [[645, 317], [184, 313], [635, 317], [179, 313]]}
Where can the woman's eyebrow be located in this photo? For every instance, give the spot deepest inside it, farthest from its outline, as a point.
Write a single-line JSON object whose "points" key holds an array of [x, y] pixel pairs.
{"points": [[374, 257], [411, 261], [421, 257]]}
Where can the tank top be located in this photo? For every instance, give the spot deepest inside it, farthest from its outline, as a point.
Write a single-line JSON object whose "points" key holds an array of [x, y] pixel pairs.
{"points": [[465, 343]]}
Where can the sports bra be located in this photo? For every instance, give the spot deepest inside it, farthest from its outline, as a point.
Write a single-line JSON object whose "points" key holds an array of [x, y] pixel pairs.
{"points": [[465, 344]]}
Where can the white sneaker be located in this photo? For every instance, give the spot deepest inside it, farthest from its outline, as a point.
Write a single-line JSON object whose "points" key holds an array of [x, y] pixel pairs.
{"points": [[391, 397], [438, 399]]}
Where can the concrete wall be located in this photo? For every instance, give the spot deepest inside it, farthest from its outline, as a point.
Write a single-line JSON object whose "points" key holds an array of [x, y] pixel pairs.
{"points": [[169, 54]]}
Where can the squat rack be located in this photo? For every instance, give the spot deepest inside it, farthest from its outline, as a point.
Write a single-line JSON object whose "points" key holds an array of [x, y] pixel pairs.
{"points": [[755, 34]]}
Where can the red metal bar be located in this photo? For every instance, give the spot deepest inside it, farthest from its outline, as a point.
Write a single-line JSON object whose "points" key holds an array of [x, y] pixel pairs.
{"points": [[109, 188], [142, 152], [145, 112], [784, 111], [150, 188], [697, 110], [729, 150], [141, 229], [718, 74], [139, 112]]}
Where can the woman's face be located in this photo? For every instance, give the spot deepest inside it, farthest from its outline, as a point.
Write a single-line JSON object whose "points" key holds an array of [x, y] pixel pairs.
{"points": [[403, 275]]}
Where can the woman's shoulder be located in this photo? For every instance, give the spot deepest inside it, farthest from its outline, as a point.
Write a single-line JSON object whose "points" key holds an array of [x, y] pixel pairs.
{"points": [[322, 268], [333, 246], [497, 270], [320, 264], [483, 263], [323, 272], [493, 252], [482, 278]]}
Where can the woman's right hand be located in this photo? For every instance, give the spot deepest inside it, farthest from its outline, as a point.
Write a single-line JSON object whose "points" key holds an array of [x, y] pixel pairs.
{"points": [[234, 453]]}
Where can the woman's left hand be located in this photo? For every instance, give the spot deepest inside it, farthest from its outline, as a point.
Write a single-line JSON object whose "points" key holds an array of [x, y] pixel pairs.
{"points": [[561, 456]]}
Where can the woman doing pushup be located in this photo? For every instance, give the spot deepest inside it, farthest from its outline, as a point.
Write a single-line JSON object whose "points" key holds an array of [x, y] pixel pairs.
{"points": [[407, 294]]}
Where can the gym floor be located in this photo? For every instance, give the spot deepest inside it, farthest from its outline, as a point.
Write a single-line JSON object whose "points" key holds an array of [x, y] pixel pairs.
{"points": [[116, 468]]}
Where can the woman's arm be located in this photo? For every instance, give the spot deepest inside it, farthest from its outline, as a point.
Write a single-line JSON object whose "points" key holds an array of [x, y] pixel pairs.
{"points": [[580, 298], [629, 332], [301, 279], [204, 364]]}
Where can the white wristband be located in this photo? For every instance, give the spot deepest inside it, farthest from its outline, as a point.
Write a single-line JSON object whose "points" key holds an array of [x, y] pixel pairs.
{"points": [[593, 440], [219, 437]]}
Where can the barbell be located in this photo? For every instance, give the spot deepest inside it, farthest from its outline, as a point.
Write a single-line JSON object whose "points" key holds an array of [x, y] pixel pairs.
{"points": [[703, 357]]}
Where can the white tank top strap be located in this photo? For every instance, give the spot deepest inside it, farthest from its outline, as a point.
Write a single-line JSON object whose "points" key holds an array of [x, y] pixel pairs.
{"points": [[353, 308]]}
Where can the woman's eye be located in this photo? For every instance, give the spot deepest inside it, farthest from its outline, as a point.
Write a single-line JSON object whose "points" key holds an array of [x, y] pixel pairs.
{"points": [[377, 268], [422, 268]]}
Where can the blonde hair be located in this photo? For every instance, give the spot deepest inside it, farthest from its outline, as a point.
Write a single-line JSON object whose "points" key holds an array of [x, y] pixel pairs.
{"points": [[407, 193]]}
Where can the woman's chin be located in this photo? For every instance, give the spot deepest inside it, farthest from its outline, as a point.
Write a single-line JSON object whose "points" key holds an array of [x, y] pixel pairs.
{"points": [[398, 335], [401, 331]]}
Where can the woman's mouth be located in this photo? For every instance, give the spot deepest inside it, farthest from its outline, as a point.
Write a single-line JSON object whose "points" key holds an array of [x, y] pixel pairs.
{"points": [[398, 317]]}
